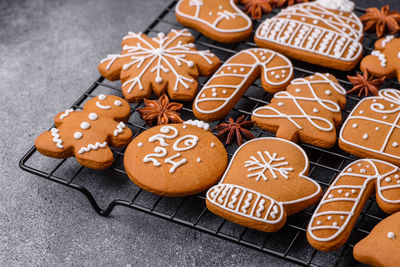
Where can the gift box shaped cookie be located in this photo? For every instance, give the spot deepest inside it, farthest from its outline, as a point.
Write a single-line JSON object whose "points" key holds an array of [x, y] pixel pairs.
{"points": [[324, 32], [265, 181], [373, 128]]}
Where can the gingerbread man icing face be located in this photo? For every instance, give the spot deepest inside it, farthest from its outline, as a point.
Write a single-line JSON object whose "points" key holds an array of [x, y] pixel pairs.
{"points": [[87, 134]]}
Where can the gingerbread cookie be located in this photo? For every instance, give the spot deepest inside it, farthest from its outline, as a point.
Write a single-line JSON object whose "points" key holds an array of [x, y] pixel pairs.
{"points": [[265, 182], [308, 110], [323, 32], [87, 134], [163, 63], [220, 20], [176, 159], [224, 89], [372, 130], [385, 59], [334, 218], [382, 246]]}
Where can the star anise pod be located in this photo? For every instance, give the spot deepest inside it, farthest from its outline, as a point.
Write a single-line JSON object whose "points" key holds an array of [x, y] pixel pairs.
{"points": [[284, 3], [231, 129], [381, 21], [365, 83], [256, 8], [160, 110]]}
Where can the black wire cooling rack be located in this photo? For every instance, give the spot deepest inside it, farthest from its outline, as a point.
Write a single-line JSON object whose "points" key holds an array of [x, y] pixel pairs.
{"points": [[107, 189]]}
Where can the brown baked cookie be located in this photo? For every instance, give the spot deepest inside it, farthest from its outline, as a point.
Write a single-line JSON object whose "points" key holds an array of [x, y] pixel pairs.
{"points": [[322, 32], [382, 246], [309, 110], [87, 134], [176, 159], [385, 59], [163, 63], [265, 182], [372, 130], [224, 89], [219, 20], [334, 218]]}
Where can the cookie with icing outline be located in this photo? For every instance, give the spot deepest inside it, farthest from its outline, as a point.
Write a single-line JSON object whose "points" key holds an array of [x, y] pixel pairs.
{"points": [[337, 213], [372, 130], [219, 20], [224, 89], [381, 246], [309, 110], [87, 134], [157, 64], [264, 183], [176, 159], [385, 59], [323, 32]]}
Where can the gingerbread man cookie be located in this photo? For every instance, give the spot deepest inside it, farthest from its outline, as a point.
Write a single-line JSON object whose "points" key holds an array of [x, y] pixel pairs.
{"points": [[87, 134], [224, 89], [372, 130], [382, 246], [264, 183], [176, 159], [334, 218], [309, 110], [385, 59], [322, 32], [220, 20], [155, 64]]}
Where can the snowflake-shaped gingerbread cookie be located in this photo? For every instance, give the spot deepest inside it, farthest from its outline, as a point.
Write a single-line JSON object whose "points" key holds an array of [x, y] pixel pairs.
{"points": [[155, 64]]}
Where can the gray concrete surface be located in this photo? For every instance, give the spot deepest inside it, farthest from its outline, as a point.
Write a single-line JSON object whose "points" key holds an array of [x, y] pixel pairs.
{"points": [[48, 55]]}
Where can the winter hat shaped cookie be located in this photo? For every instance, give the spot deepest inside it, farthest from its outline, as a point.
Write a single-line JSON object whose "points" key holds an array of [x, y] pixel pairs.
{"points": [[265, 182], [176, 159], [87, 134], [334, 218], [220, 20], [323, 32], [163, 63]]}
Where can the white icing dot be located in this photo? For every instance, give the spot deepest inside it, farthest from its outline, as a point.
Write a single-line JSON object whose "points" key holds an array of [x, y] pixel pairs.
{"points": [[222, 72], [203, 95], [214, 89], [359, 164], [342, 217], [365, 136], [102, 97], [385, 117], [328, 92], [241, 69], [198, 159], [117, 103], [184, 126], [140, 144], [391, 105], [214, 94], [158, 80], [93, 116], [229, 68], [377, 128], [391, 235], [374, 100], [315, 21], [263, 57], [85, 125], [398, 181], [281, 104], [288, 16], [190, 63], [224, 92], [277, 76], [210, 13], [315, 110], [261, 53], [349, 169], [397, 176], [353, 191], [298, 90], [303, 19], [329, 217], [330, 196], [311, 77], [220, 7], [340, 191], [77, 135], [387, 179], [362, 170], [319, 222], [361, 112], [283, 71], [355, 125], [334, 223], [395, 144], [212, 145], [272, 72], [347, 194]]}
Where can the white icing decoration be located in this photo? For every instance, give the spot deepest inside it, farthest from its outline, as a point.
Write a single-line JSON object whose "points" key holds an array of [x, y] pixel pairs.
{"points": [[234, 199], [102, 97], [175, 164], [395, 144], [85, 125], [189, 141], [247, 203], [120, 128], [391, 235], [162, 136], [199, 124], [387, 40], [328, 92], [66, 113], [382, 57], [140, 144], [101, 106], [260, 208], [78, 135], [198, 159], [56, 138], [160, 152], [212, 144], [93, 116], [117, 102], [274, 165], [365, 136], [355, 125], [90, 147]]}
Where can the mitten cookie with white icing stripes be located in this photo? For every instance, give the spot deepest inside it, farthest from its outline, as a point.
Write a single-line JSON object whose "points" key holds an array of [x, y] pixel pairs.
{"points": [[87, 134], [265, 182]]}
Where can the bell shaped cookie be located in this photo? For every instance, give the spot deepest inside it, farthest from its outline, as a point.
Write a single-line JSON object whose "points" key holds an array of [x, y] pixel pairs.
{"points": [[264, 183]]}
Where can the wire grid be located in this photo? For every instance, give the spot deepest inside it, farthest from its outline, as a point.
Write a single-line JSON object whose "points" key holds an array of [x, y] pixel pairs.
{"points": [[113, 188]]}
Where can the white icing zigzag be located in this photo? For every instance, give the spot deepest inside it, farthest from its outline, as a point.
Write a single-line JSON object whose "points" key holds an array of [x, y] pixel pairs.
{"points": [[66, 113], [120, 128], [197, 123], [56, 137], [89, 147]]}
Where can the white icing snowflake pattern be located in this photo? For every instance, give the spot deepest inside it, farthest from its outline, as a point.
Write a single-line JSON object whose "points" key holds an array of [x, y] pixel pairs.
{"points": [[274, 165]]}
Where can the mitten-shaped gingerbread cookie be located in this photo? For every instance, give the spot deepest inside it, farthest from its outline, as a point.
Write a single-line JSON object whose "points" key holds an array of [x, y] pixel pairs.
{"points": [[382, 246], [309, 110], [176, 159], [155, 64], [220, 20], [372, 130], [322, 32], [385, 59], [265, 182], [340, 207], [87, 134], [224, 89]]}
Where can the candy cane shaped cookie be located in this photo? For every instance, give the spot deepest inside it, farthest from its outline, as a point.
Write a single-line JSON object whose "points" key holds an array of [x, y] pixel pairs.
{"points": [[339, 209], [224, 89]]}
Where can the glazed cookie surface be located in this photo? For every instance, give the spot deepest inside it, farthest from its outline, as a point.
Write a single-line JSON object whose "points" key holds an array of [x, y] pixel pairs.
{"points": [[220, 20], [264, 183], [309, 110], [87, 134], [334, 218], [176, 159], [224, 89], [322, 32], [157, 64]]}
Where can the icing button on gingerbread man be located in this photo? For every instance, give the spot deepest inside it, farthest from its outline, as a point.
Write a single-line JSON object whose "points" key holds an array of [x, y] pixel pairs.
{"points": [[87, 134]]}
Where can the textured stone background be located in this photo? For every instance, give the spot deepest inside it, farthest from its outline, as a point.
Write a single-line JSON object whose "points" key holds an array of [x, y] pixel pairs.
{"points": [[49, 51]]}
